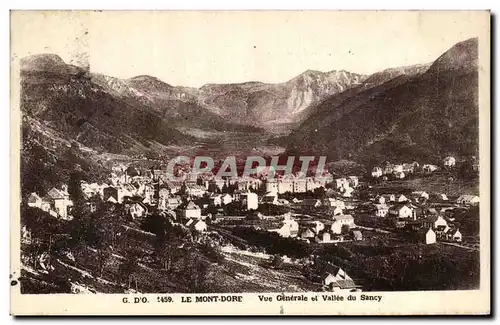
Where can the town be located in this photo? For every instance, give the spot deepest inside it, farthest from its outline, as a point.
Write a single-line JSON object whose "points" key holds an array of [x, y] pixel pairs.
{"points": [[247, 214]]}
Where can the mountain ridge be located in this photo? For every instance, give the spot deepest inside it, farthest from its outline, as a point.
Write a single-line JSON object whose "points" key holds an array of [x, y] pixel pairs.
{"points": [[426, 114]]}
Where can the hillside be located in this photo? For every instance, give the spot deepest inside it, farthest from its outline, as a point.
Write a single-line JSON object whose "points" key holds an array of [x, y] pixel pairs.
{"points": [[419, 114], [67, 100], [273, 105]]}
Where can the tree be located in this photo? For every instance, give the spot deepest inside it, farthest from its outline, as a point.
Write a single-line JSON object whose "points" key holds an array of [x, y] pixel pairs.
{"points": [[157, 224], [128, 268], [103, 255], [276, 262], [75, 189], [167, 251], [319, 193], [195, 273], [344, 230]]}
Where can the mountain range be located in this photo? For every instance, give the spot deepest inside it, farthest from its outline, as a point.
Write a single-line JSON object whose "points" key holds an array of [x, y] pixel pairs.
{"points": [[419, 111]]}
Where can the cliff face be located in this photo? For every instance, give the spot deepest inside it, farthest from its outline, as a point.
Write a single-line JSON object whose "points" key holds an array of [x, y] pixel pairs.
{"points": [[273, 104]]}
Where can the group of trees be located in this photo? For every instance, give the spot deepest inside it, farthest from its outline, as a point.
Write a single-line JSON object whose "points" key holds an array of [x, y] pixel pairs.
{"points": [[413, 267], [273, 243]]}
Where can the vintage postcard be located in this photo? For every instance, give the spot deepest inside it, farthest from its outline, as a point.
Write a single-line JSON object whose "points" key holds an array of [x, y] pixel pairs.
{"points": [[250, 163]]}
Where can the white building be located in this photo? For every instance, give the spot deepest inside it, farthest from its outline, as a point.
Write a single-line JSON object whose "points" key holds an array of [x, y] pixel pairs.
{"points": [[249, 201], [197, 224], [377, 172], [342, 220], [468, 199], [449, 161], [430, 237], [381, 210], [402, 211], [191, 211]]}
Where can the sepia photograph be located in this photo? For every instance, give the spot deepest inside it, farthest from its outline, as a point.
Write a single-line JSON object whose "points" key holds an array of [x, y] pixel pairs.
{"points": [[203, 158]]}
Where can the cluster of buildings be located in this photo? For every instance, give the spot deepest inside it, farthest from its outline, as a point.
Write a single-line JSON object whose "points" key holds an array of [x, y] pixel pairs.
{"points": [[413, 213], [323, 220], [57, 202], [336, 279], [400, 171]]}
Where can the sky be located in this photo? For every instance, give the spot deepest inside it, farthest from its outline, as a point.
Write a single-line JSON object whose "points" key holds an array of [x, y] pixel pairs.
{"points": [[194, 48]]}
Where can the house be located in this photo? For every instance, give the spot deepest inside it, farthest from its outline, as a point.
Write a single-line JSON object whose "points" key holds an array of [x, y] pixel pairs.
{"points": [[26, 235], [307, 233], [34, 201], [163, 193], [310, 204], [237, 195], [455, 235], [269, 198], [408, 168], [357, 235], [313, 183], [216, 183], [353, 181], [324, 237], [249, 201], [148, 193], [337, 279], [340, 182], [137, 210], [402, 211], [337, 211], [381, 210], [226, 199], [329, 202], [197, 225], [60, 201], [316, 226], [342, 220], [190, 210], [386, 165], [468, 199], [272, 186], [119, 193], [420, 195], [377, 172], [283, 202], [443, 197], [402, 198], [215, 200], [401, 222], [434, 222], [289, 228], [195, 190], [428, 169], [380, 199], [347, 191], [428, 237], [299, 185], [399, 175], [449, 162], [390, 198], [173, 203], [87, 190], [397, 169], [174, 186], [431, 211], [334, 203]]}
